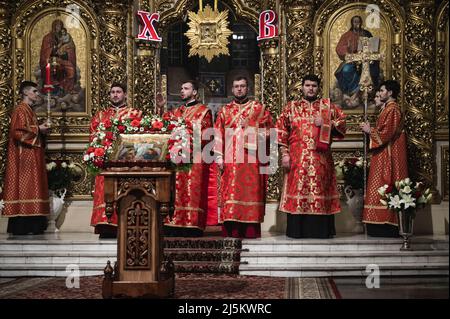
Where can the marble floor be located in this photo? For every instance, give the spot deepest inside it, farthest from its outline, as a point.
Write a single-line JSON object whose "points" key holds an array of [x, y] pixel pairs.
{"points": [[395, 288]]}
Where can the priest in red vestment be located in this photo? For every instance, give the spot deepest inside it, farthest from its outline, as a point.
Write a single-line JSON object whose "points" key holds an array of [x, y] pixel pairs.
{"points": [[306, 129], [388, 163], [243, 182], [117, 109], [26, 188], [191, 190]]}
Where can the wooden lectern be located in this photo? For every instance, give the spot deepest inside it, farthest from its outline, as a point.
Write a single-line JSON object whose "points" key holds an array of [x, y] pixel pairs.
{"points": [[142, 197]]}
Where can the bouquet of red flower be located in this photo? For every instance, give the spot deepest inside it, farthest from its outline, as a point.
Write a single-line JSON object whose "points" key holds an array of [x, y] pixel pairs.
{"points": [[101, 142]]}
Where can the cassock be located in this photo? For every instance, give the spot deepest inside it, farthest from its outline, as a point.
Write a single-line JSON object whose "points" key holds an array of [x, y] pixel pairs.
{"points": [[242, 183], [309, 195], [191, 186], [387, 165], [26, 187], [98, 218]]}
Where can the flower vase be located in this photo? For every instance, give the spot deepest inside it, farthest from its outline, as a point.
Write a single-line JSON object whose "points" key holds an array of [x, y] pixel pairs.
{"points": [[405, 224], [355, 203], [56, 205]]}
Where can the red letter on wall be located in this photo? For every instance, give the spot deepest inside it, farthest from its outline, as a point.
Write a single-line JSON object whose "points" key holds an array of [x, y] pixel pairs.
{"points": [[268, 27], [148, 31]]}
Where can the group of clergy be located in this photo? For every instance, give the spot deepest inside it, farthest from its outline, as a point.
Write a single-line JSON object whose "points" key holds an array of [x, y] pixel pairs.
{"points": [[229, 192]]}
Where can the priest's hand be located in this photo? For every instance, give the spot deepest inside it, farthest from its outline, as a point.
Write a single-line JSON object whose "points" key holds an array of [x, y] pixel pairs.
{"points": [[365, 127], [44, 128], [286, 161], [219, 161], [318, 121]]}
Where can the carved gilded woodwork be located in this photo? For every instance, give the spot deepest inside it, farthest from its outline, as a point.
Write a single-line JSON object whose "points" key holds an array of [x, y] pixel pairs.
{"points": [[419, 90], [445, 172], [442, 71], [113, 46], [5, 82], [271, 98], [297, 41], [145, 73]]}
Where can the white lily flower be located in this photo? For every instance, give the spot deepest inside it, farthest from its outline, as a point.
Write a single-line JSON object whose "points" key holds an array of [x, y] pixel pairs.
{"points": [[409, 201], [395, 202], [64, 165], [422, 200], [429, 197], [406, 189], [407, 181], [359, 163]]}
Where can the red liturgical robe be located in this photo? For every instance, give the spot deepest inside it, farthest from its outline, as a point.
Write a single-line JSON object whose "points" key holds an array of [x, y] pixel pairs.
{"points": [[98, 212], [388, 163], [243, 186], [26, 186], [191, 193], [309, 186]]}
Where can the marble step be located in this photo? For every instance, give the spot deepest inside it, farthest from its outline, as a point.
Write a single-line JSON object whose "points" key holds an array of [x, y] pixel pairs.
{"points": [[92, 257], [59, 268], [326, 245], [56, 257], [55, 246], [47, 269], [343, 270], [344, 257]]}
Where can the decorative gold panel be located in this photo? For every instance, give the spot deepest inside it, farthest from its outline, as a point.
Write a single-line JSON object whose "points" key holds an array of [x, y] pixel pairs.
{"points": [[297, 41], [113, 46], [442, 71], [145, 72], [5, 82], [419, 90], [445, 172]]}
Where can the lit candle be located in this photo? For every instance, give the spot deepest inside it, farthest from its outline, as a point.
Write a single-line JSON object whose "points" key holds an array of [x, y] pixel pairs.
{"points": [[201, 5], [47, 74]]}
